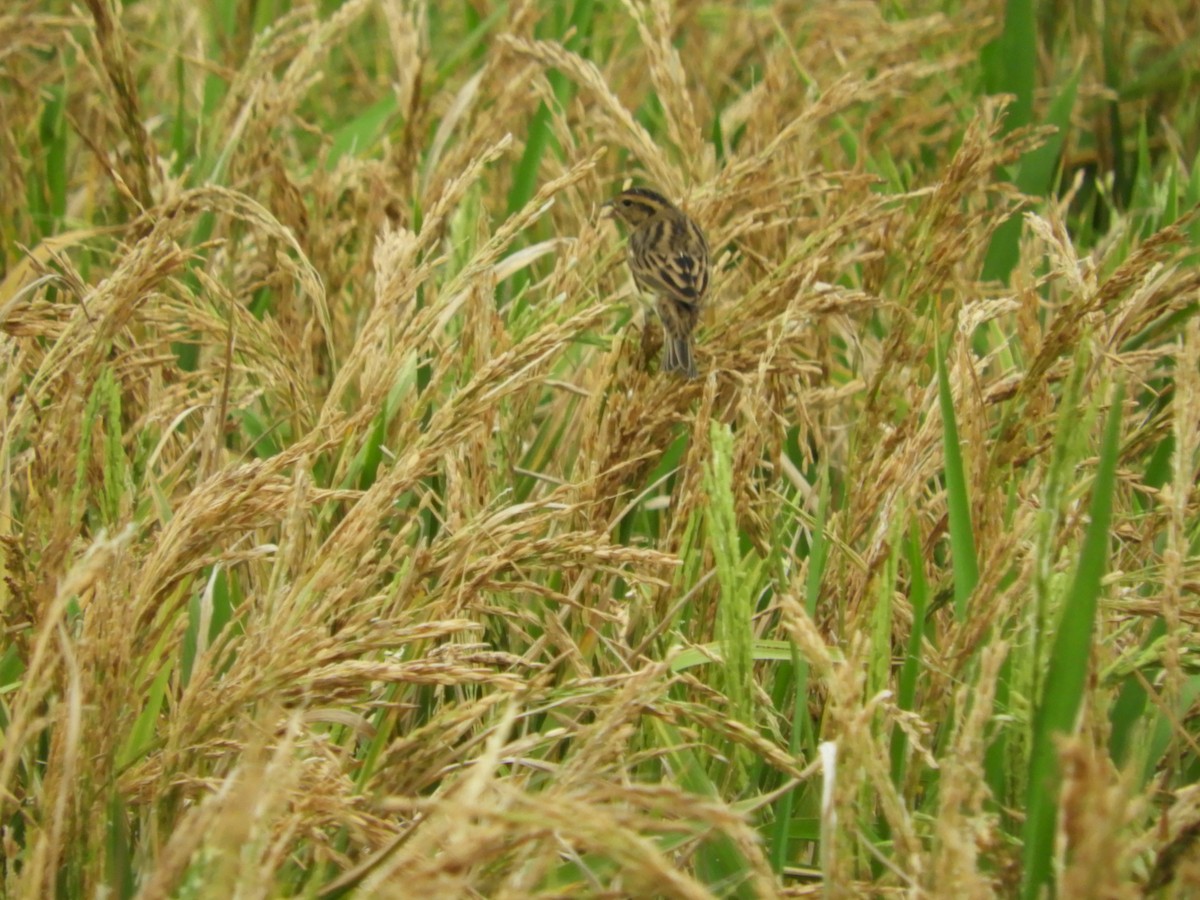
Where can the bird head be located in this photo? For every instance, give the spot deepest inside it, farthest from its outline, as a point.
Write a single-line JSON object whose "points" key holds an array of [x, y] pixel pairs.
{"points": [[635, 205]]}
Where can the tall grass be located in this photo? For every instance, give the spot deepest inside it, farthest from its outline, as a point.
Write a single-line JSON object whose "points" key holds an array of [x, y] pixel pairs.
{"points": [[352, 543]]}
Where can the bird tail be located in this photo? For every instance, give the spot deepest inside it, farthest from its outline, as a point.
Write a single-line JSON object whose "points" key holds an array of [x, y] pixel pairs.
{"points": [[679, 320], [677, 355]]}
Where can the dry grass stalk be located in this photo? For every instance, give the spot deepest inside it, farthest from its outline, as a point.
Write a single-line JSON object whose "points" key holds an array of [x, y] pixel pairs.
{"points": [[349, 539]]}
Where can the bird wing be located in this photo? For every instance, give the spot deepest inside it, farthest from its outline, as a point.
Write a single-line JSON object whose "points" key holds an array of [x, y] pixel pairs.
{"points": [[675, 261]]}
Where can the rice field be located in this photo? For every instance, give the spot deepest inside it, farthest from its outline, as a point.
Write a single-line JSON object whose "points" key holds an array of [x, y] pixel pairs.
{"points": [[353, 544]]}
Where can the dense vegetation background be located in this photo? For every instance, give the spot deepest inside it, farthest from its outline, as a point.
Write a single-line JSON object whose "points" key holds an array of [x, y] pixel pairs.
{"points": [[352, 542]]}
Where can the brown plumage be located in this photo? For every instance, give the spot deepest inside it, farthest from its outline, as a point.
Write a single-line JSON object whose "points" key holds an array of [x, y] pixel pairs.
{"points": [[669, 256]]}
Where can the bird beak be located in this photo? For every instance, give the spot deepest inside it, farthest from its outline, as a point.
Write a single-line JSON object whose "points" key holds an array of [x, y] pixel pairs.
{"points": [[606, 209]]}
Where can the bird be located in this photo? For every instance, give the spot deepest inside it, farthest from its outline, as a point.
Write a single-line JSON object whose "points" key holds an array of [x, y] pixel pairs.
{"points": [[668, 255]]}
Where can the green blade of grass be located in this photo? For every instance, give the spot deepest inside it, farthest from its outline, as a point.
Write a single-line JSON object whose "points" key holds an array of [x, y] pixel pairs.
{"points": [[141, 736], [736, 609], [1035, 177], [1111, 42], [906, 692], [1126, 715], [540, 134], [962, 535], [54, 143], [361, 132], [116, 469], [800, 725], [1069, 664], [719, 862], [369, 457], [120, 877], [1010, 62]]}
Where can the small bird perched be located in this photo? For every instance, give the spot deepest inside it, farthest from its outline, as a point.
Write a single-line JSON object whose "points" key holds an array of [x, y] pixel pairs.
{"points": [[669, 256]]}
